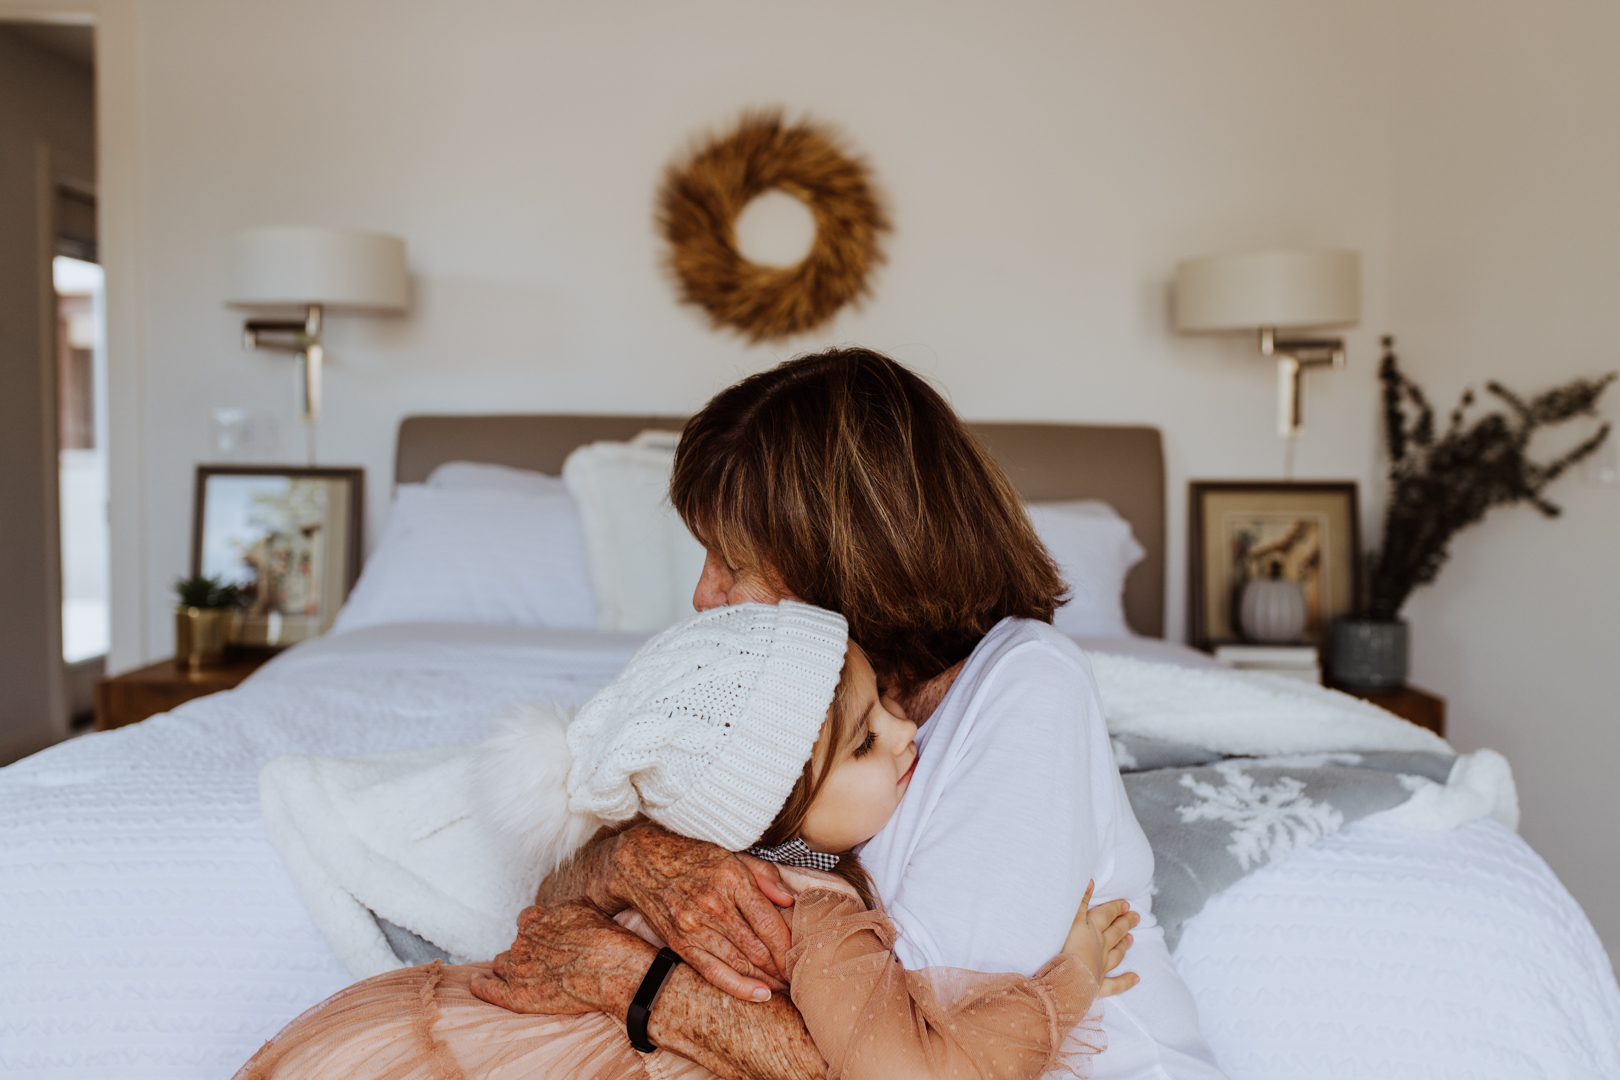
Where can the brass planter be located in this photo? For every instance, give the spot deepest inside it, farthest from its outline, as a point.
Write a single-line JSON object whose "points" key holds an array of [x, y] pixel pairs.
{"points": [[201, 634]]}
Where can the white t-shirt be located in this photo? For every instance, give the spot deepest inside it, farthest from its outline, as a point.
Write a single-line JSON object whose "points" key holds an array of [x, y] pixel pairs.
{"points": [[1016, 803]]}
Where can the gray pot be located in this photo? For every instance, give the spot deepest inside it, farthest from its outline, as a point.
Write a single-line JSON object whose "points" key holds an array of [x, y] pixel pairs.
{"points": [[1368, 654]]}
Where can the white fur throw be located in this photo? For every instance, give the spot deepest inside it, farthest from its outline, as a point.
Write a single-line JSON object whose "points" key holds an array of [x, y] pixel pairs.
{"points": [[439, 841]]}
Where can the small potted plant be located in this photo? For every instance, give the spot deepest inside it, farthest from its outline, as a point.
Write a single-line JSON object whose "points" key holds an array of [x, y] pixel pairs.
{"points": [[205, 621], [1439, 484]]}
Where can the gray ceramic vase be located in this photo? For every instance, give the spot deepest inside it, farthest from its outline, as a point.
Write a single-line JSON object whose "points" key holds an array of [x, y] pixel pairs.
{"points": [[1368, 654]]}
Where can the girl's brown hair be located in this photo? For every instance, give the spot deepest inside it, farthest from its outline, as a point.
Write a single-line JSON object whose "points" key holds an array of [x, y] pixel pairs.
{"points": [[790, 819], [850, 479]]}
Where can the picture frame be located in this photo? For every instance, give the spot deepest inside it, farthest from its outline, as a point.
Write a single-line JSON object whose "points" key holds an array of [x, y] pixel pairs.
{"points": [[1310, 531], [290, 537]]}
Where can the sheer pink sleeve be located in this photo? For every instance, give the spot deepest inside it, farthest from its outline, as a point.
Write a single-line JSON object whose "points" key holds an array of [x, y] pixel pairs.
{"points": [[871, 1018]]}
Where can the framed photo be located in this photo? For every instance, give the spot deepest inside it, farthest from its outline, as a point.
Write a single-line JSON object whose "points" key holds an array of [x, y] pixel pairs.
{"points": [[1241, 530], [289, 537]]}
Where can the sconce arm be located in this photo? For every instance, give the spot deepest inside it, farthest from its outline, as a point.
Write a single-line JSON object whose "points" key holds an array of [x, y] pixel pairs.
{"points": [[1294, 355], [303, 339], [284, 335]]}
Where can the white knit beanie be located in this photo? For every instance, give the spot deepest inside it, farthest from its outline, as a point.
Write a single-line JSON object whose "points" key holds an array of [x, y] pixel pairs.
{"points": [[705, 731], [710, 725]]}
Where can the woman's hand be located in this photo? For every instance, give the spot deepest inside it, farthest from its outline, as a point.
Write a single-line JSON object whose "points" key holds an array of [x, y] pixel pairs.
{"points": [[568, 958], [1099, 938], [718, 909]]}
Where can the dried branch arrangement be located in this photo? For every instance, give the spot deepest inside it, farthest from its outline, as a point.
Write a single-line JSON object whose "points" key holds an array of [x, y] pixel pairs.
{"points": [[1443, 483], [704, 192]]}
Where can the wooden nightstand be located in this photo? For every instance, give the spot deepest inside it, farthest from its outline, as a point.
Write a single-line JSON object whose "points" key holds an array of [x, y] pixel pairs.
{"points": [[133, 696], [1409, 703]]}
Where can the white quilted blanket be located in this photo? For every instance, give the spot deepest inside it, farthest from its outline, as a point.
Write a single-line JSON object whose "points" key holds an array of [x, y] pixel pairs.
{"points": [[1403, 955], [148, 929]]}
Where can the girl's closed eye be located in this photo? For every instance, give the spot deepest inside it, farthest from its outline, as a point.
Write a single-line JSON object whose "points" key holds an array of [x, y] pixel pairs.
{"points": [[866, 744]]}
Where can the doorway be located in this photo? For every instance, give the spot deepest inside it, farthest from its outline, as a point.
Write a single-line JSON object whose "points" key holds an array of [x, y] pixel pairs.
{"points": [[81, 431], [53, 532]]}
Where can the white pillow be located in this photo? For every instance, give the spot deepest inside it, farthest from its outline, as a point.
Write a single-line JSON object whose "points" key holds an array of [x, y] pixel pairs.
{"points": [[644, 563], [486, 477], [1094, 549], [475, 555]]}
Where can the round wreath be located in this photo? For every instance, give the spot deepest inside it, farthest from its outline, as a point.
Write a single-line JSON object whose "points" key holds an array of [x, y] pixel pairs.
{"points": [[704, 192]]}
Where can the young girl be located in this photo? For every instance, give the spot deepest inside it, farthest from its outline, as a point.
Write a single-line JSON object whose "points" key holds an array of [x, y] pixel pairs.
{"points": [[756, 727]]}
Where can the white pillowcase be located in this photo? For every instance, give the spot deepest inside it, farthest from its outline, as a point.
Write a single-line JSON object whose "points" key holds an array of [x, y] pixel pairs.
{"points": [[510, 555], [1094, 549], [487, 477], [644, 563]]}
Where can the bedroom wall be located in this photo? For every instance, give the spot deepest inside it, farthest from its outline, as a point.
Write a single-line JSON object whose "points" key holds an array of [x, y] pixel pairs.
{"points": [[1505, 234], [1047, 165]]}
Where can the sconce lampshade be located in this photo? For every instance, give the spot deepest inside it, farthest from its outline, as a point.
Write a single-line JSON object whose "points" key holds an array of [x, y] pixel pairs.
{"points": [[1268, 288], [345, 269]]}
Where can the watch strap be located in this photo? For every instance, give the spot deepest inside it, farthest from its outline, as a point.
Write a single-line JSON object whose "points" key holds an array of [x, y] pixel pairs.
{"points": [[635, 1019]]}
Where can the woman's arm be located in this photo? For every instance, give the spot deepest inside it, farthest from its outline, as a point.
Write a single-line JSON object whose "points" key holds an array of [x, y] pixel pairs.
{"points": [[716, 908], [570, 958]]}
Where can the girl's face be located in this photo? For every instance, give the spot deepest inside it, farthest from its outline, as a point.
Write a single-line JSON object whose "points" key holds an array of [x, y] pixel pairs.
{"points": [[870, 772]]}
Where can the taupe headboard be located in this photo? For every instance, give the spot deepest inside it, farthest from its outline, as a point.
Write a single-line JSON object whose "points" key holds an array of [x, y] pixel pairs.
{"points": [[1123, 466]]}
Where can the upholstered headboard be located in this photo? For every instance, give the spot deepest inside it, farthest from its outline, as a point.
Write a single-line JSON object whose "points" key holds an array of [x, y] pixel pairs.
{"points": [[1123, 466]]}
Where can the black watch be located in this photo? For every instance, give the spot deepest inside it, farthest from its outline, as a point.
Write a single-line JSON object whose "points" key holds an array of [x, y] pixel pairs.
{"points": [[635, 1019]]}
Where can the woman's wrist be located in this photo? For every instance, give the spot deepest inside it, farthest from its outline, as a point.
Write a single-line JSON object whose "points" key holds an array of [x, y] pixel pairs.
{"points": [[624, 965], [599, 880]]}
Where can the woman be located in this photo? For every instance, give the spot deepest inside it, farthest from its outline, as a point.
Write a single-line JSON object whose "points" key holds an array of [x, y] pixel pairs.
{"points": [[843, 480]]}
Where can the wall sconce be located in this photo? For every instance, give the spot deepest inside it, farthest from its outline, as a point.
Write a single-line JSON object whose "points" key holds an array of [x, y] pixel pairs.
{"points": [[317, 269], [1269, 291]]}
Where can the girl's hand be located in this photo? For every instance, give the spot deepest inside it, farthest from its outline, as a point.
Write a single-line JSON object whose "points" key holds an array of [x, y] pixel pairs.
{"points": [[1099, 939]]}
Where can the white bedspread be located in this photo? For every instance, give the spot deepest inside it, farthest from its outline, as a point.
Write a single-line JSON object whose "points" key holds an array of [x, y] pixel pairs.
{"points": [[148, 929], [1384, 952]]}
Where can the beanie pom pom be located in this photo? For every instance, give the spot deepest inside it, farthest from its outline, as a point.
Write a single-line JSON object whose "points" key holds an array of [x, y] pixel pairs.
{"points": [[520, 785]]}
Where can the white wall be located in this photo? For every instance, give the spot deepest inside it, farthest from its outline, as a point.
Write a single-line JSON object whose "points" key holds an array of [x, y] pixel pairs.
{"points": [[1047, 164], [1506, 266]]}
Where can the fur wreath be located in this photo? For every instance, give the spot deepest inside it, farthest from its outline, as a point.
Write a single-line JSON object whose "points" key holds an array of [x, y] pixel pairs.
{"points": [[705, 191]]}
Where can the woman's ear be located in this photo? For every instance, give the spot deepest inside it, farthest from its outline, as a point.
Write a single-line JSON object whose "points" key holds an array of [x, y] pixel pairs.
{"points": [[892, 703]]}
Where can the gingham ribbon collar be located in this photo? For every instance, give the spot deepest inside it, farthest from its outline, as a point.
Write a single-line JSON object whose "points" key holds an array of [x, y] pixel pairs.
{"points": [[795, 853]]}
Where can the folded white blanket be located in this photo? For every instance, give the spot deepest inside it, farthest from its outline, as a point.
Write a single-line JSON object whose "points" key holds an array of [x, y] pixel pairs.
{"points": [[432, 839]]}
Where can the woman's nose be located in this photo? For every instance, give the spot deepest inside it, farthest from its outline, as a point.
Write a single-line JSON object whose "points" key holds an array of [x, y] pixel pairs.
{"points": [[712, 585]]}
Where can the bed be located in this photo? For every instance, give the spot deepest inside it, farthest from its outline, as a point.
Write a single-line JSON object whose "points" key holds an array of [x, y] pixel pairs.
{"points": [[148, 928]]}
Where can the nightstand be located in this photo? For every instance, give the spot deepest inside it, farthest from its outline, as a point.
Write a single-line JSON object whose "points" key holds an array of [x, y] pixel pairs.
{"points": [[133, 696], [1409, 703]]}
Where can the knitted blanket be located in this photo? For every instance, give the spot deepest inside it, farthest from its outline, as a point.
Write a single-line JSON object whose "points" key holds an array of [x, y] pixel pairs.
{"points": [[1228, 772]]}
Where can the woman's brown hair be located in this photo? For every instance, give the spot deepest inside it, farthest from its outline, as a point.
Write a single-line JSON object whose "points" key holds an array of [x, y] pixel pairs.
{"points": [[850, 479]]}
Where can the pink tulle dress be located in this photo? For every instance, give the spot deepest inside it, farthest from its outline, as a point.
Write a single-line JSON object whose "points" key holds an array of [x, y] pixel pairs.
{"points": [[869, 1017]]}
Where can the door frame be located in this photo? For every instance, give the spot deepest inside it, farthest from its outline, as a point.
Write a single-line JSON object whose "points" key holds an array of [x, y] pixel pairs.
{"points": [[118, 240]]}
